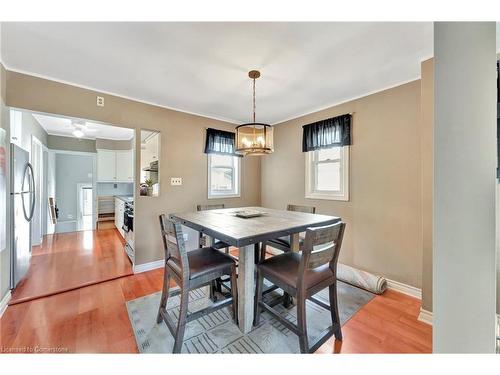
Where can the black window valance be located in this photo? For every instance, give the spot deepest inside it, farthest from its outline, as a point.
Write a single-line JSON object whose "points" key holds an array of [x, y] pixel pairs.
{"points": [[220, 142], [335, 131]]}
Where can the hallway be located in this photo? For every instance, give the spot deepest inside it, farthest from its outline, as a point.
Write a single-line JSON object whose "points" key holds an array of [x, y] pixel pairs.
{"points": [[67, 261]]}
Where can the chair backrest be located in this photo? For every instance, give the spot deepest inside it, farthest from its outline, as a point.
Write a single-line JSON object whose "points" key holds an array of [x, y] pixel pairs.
{"points": [[206, 207], [322, 245], [173, 242], [297, 208]]}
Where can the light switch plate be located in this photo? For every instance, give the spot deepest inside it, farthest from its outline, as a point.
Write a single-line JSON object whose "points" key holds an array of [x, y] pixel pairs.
{"points": [[100, 101], [176, 181]]}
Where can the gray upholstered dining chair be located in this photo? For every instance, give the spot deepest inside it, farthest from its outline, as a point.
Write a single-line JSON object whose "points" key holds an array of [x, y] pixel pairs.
{"points": [[302, 275], [284, 243], [217, 244], [191, 270]]}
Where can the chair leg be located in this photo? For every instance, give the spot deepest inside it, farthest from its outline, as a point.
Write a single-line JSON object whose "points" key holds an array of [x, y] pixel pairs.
{"points": [[287, 300], [256, 250], [263, 248], [258, 298], [234, 293], [181, 324], [164, 295], [213, 289], [334, 311], [301, 323]]}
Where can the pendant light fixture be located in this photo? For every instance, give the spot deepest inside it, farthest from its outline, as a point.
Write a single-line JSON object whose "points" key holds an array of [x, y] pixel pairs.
{"points": [[254, 138]]}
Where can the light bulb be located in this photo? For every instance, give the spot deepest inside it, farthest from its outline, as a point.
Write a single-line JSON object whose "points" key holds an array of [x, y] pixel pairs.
{"points": [[246, 142], [78, 133]]}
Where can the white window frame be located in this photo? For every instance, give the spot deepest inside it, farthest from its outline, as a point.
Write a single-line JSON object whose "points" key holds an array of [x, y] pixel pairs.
{"points": [[235, 193], [310, 177]]}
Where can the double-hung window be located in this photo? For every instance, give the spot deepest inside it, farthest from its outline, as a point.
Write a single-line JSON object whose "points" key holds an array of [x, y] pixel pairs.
{"points": [[327, 173], [326, 145], [223, 176]]}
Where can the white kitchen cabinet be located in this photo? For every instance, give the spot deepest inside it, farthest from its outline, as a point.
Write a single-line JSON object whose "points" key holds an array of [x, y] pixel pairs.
{"points": [[124, 166], [106, 166], [119, 212], [115, 166]]}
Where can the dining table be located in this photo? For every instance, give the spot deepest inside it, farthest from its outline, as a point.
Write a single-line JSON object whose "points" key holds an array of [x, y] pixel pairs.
{"points": [[244, 233]]}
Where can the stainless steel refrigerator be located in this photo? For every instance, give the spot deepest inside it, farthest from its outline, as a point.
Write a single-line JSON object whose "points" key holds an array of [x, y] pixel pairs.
{"points": [[22, 191]]}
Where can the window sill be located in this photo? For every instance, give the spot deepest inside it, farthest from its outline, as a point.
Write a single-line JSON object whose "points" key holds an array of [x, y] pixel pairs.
{"points": [[330, 197], [223, 196]]}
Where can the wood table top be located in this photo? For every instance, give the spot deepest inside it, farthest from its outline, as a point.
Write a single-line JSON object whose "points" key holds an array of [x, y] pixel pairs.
{"points": [[224, 225]]}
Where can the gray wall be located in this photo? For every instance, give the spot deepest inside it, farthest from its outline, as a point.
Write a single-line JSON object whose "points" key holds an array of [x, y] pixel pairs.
{"points": [[5, 253], [384, 211], [108, 144], [31, 127], [70, 170], [104, 188], [464, 187], [56, 142], [426, 142], [41, 95]]}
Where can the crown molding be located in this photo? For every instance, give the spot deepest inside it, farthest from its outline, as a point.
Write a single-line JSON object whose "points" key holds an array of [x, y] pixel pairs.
{"points": [[209, 117], [218, 118]]}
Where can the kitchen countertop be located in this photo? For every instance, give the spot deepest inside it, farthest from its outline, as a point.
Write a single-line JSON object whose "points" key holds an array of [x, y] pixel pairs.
{"points": [[125, 198]]}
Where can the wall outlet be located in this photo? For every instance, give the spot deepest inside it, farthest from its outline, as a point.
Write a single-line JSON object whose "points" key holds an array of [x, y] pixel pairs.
{"points": [[176, 181], [100, 101]]}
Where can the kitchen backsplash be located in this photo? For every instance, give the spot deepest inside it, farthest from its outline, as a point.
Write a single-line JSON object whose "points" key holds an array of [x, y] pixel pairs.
{"points": [[104, 188]]}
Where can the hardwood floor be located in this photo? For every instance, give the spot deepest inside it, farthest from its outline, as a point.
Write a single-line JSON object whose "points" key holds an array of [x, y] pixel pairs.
{"points": [[386, 324], [66, 261], [94, 319]]}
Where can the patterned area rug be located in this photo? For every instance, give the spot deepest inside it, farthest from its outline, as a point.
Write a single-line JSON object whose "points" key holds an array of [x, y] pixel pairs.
{"points": [[216, 332]]}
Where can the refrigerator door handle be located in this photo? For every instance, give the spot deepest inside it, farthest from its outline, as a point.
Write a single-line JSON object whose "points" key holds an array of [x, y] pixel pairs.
{"points": [[31, 191]]}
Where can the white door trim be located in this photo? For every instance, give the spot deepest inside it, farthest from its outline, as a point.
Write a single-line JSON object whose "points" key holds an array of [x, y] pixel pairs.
{"points": [[36, 144], [4, 303], [79, 216]]}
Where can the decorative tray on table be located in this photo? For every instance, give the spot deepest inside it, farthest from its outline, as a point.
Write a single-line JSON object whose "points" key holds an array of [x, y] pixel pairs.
{"points": [[247, 214]]}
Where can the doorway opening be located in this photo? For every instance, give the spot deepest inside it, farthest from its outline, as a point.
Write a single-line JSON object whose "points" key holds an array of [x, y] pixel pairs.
{"points": [[85, 212], [83, 175]]}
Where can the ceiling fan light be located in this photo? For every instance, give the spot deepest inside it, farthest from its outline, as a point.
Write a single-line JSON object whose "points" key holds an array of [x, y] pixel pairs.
{"points": [[78, 133]]}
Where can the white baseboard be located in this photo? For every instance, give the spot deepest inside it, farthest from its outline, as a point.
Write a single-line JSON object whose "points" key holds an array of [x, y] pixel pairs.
{"points": [[404, 288], [4, 302], [138, 268], [425, 316]]}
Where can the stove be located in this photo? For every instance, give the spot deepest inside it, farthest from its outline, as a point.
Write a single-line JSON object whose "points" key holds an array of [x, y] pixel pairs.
{"points": [[128, 229]]}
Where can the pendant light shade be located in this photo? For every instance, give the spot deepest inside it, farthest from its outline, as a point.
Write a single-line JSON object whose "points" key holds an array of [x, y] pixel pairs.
{"points": [[254, 138]]}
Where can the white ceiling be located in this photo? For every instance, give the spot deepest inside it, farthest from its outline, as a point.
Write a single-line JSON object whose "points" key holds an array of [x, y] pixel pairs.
{"points": [[65, 126], [202, 67]]}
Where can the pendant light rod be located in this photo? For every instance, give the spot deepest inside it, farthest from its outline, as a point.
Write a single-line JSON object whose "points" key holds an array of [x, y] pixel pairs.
{"points": [[254, 74], [254, 100], [254, 138]]}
